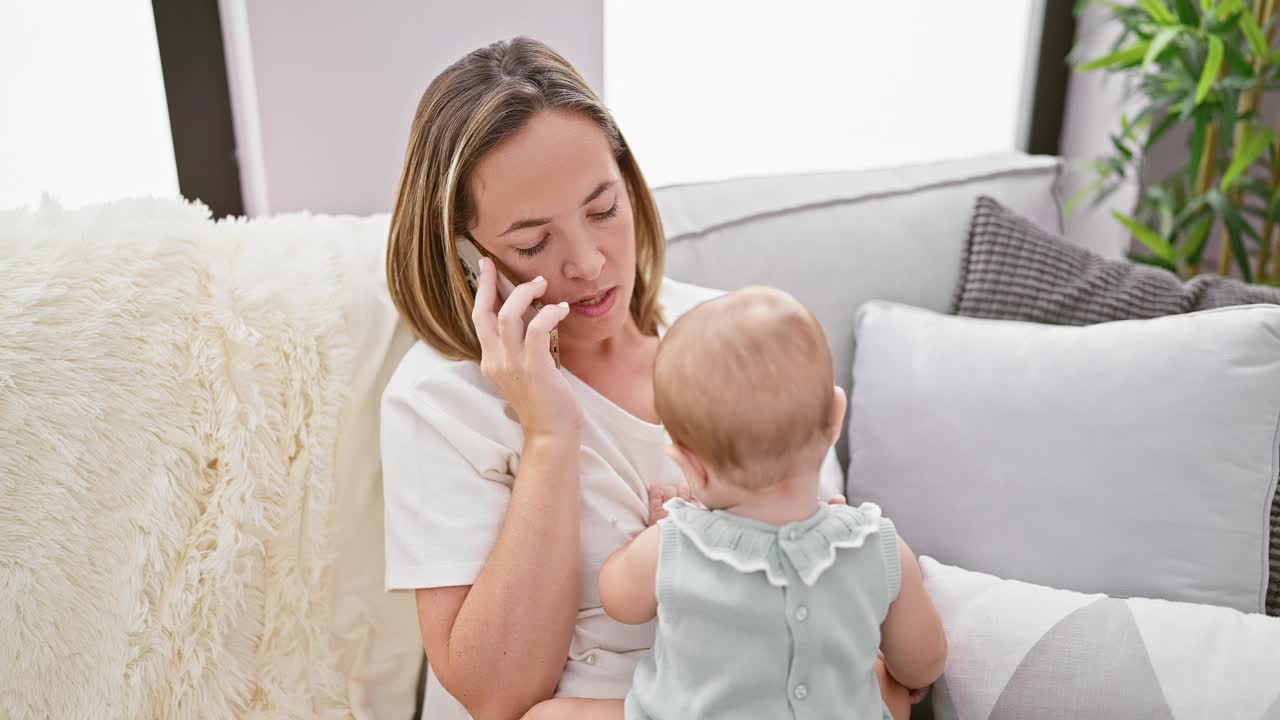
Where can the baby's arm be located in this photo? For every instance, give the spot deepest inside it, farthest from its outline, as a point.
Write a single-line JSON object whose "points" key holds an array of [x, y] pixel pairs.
{"points": [[628, 580], [911, 637]]}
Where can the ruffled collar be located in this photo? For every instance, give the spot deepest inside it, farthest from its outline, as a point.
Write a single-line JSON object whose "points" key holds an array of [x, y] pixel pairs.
{"points": [[808, 546]]}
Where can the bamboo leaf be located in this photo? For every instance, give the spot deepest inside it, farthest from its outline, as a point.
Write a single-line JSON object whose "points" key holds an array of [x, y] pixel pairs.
{"points": [[1206, 6], [1158, 11], [1154, 261], [1237, 228], [1120, 147], [1230, 215], [1188, 215], [1238, 250], [1211, 65], [1227, 8], [1253, 34], [1120, 59], [1197, 238], [1158, 45], [1197, 142], [1148, 237], [1187, 13], [1237, 63], [1160, 129], [1080, 196], [1254, 145]]}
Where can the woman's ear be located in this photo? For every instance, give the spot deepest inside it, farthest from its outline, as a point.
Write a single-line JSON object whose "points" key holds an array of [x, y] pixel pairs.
{"points": [[695, 473], [839, 404]]}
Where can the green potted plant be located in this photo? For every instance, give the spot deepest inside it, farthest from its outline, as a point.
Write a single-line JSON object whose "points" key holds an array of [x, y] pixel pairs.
{"points": [[1206, 66]]}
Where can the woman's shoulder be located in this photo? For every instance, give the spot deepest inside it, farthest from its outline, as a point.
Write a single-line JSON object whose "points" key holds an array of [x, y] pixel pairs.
{"points": [[450, 394], [423, 369]]}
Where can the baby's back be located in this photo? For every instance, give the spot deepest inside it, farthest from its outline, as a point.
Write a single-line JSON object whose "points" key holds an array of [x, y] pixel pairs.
{"points": [[756, 621]]}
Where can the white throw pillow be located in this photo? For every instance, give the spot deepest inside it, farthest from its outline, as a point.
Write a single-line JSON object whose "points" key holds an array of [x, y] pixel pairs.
{"points": [[1135, 458], [1018, 651]]}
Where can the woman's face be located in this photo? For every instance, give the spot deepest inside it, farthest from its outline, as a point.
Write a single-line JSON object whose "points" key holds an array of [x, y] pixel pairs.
{"points": [[551, 201]]}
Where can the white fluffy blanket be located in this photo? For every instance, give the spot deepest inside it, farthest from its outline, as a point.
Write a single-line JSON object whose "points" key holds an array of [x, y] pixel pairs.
{"points": [[169, 389]]}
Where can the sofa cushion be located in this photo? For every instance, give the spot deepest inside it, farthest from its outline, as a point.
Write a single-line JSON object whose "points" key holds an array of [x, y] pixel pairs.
{"points": [[1059, 654], [1014, 270], [835, 240], [1134, 458]]}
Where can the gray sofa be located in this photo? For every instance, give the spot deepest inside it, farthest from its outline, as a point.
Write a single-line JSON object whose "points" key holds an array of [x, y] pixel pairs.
{"points": [[179, 347], [836, 240], [199, 405]]}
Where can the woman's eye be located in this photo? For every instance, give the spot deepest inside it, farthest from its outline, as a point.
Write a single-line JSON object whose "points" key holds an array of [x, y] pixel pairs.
{"points": [[607, 213], [531, 251]]}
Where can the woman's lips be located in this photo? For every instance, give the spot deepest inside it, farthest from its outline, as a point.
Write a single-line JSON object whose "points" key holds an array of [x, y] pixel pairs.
{"points": [[596, 306]]}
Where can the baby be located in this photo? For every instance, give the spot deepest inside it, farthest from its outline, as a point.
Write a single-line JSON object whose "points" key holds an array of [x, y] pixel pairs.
{"points": [[769, 603]]}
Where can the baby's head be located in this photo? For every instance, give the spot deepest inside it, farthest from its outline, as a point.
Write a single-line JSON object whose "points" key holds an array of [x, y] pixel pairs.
{"points": [[744, 385]]}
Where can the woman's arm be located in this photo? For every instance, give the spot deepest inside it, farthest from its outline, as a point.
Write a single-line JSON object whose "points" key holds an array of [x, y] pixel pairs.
{"points": [[499, 645]]}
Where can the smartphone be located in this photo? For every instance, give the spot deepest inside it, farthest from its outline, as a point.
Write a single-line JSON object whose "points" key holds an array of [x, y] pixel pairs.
{"points": [[470, 255]]}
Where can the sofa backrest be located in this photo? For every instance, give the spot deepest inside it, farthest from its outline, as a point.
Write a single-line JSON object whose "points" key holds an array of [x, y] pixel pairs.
{"points": [[838, 239]]}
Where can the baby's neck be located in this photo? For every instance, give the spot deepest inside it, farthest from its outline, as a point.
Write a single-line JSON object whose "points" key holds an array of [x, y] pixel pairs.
{"points": [[786, 502]]}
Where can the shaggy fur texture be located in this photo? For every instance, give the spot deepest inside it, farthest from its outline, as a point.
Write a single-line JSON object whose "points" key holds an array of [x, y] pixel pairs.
{"points": [[169, 390]]}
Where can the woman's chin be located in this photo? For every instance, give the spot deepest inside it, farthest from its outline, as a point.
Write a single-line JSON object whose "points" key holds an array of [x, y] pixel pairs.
{"points": [[580, 329]]}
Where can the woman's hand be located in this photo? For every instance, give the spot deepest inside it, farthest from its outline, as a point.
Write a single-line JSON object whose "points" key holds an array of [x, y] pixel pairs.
{"points": [[517, 360]]}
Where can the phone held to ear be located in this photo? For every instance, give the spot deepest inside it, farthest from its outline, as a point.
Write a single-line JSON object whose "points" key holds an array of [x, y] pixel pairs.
{"points": [[470, 255]]}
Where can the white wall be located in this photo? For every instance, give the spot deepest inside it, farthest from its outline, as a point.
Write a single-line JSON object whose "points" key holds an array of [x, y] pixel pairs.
{"points": [[723, 88], [82, 106], [1095, 102], [323, 91]]}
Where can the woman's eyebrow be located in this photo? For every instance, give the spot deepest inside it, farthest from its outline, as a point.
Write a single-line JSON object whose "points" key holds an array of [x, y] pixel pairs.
{"points": [[535, 222], [598, 191]]}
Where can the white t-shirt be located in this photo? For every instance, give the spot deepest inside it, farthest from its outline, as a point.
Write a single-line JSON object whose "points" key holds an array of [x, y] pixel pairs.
{"points": [[450, 452]]}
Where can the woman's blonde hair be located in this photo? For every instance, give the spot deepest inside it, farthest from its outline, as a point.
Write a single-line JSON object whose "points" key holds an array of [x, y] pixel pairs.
{"points": [[478, 102]]}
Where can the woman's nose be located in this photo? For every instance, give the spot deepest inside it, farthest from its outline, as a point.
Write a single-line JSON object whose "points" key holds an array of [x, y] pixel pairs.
{"points": [[585, 261]]}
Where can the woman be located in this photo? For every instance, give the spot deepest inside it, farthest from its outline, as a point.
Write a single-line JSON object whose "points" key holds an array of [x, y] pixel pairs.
{"points": [[507, 481]]}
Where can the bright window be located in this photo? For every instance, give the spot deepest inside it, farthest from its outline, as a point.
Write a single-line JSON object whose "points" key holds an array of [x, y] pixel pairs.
{"points": [[714, 88], [84, 115]]}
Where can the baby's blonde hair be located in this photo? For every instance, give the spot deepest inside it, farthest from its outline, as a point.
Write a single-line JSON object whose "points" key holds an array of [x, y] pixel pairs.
{"points": [[745, 382]]}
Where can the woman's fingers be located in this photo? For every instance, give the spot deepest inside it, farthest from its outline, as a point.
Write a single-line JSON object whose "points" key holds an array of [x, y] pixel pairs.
{"points": [[537, 337], [482, 311], [511, 315]]}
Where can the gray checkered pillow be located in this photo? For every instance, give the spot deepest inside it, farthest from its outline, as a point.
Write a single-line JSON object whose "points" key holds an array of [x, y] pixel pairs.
{"points": [[1013, 270]]}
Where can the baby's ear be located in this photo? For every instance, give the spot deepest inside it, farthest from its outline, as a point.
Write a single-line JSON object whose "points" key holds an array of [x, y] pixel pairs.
{"points": [[695, 473], [839, 406]]}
